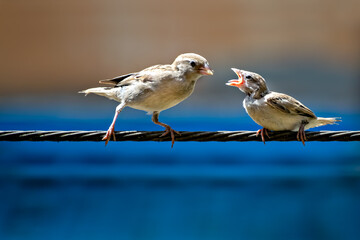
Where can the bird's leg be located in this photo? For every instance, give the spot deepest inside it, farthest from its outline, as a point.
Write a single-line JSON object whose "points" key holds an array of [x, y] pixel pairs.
{"points": [[168, 129], [110, 132], [301, 136], [261, 132]]}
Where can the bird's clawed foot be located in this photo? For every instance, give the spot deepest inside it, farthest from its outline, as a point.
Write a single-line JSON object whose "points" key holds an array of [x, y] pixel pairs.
{"points": [[301, 136], [261, 132], [110, 132], [172, 134]]}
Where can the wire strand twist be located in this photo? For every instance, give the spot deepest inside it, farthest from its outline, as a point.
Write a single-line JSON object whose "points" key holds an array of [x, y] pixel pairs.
{"points": [[200, 136]]}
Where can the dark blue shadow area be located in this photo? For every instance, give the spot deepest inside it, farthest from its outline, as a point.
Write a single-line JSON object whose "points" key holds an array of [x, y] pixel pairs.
{"points": [[146, 190]]}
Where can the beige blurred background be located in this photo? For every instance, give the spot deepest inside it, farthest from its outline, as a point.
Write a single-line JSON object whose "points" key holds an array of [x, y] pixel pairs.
{"points": [[309, 49]]}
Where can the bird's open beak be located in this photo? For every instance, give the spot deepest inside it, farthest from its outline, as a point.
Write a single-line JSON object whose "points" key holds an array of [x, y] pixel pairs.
{"points": [[237, 82], [206, 70]]}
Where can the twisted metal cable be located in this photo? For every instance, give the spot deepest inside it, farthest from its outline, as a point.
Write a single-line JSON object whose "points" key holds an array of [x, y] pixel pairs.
{"points": [[202, 136]]}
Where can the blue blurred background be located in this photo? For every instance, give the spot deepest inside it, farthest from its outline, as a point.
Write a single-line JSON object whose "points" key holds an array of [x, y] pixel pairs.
{"points": [[52, 49]]}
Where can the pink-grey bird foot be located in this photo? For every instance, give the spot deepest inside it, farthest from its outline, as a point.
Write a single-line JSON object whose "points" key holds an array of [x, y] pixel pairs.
{"points": [[301, 136], [172, 134], [261, 133], [110, 133]]}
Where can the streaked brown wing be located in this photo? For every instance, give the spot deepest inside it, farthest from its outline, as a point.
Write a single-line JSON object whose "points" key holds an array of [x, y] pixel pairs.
{"points": [[145, 75], [287, 104], [150, 74], [116, 80]]}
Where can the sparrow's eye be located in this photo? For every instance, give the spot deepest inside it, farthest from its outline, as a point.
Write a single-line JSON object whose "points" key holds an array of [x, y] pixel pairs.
{"points": [[248, 77], [193, 64]]}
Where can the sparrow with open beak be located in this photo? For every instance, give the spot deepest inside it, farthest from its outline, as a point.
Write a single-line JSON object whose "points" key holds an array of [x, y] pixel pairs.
{"points": [[154, 89], [275, 111]]}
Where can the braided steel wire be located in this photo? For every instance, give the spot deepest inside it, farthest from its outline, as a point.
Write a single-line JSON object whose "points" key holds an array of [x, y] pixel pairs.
{"points": [[201, 136]]}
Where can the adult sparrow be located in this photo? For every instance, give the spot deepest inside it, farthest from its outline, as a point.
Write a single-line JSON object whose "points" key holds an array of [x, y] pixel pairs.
{"points": [[275, 111], [154, 89]]}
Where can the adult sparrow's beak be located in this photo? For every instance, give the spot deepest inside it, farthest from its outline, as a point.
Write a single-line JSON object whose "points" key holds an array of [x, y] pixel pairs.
{"points": [[206, 70], [237, 82]]}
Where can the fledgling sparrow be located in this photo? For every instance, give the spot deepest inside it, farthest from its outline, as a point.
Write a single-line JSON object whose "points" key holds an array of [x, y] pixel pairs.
{"points": [[154, 89], [275, 111]]}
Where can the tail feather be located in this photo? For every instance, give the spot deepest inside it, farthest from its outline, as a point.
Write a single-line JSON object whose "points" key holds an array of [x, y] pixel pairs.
{"points": [[320, 121], [102, 91]]}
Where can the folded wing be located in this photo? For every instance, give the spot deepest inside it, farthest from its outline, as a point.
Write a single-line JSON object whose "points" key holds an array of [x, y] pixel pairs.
{"points": [[290, 105]]}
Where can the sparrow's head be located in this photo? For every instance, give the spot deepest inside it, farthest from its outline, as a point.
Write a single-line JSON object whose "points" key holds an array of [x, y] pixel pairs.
{"points": [[192, 64], [252, 84]]}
